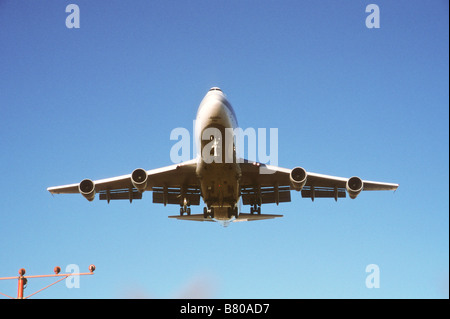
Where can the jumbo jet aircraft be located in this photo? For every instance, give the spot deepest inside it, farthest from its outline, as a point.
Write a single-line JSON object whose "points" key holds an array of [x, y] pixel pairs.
{"points": [[221, 178]]}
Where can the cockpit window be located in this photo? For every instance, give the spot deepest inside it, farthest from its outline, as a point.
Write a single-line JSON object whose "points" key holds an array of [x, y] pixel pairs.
{"points": [[215, 89]]}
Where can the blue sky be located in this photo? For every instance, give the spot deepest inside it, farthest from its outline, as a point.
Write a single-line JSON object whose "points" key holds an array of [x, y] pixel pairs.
{"points": [[101, 100]]}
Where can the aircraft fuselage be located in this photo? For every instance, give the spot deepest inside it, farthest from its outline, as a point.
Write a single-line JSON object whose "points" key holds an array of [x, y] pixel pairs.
{"points": [[217, 168]]}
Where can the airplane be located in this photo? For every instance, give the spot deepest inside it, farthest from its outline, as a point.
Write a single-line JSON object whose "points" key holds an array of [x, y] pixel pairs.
{"points": [[220, 177]]}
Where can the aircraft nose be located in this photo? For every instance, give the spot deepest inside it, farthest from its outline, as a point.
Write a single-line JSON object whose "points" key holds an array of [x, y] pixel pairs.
{"points": [[217, 108]]}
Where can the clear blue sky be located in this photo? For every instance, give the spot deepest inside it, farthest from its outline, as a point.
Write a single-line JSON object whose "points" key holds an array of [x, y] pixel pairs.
{"points": [[101, 100]]}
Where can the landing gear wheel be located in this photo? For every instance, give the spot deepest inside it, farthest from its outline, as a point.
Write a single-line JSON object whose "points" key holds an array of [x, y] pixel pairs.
{"points": [[255, 209], [208, 212], [185, 209], [233, 212]]}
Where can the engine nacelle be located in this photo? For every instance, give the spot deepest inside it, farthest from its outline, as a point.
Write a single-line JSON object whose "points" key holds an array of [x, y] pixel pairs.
{"points": [[298, 177], [139, 179], [354, 186], [87, 189]]}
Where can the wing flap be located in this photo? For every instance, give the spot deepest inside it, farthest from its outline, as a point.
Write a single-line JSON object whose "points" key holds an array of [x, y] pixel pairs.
{"points": [[173, 195], [120, 194], [323, 192], [265, 195]]}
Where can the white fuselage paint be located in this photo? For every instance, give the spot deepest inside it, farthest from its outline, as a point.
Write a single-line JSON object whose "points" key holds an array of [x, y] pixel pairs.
{"points": [[220, 178]]}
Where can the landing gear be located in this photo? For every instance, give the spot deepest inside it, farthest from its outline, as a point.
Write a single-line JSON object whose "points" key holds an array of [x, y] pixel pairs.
{"points": [[232, 212], [185, 209], [208, 212], [255, 209]]}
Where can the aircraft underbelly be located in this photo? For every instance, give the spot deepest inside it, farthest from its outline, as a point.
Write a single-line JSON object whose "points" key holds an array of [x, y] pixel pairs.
{"points": [[220, 185]]}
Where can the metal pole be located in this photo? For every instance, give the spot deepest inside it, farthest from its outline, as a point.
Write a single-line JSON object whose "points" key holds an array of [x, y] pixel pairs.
{"points": [[22, 281]]}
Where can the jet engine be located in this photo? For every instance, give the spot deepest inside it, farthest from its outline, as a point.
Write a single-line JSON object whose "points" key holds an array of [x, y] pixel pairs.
{"points": [[87, 189], [139, 179], [298, 178], [354, 186]]}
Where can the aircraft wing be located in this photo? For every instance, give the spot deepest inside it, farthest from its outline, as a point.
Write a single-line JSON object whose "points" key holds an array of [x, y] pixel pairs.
{"points": [[262, 184], [167, 183]]}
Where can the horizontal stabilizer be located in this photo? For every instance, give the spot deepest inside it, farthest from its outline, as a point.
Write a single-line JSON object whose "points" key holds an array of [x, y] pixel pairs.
{"points": [[250, 217], [242, 217], [194, 217]]}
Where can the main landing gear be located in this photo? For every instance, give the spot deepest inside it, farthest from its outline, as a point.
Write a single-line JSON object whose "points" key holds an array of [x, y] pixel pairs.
{"points": [[185, 209], [232, 212], [255, 209], [208, 212]]}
